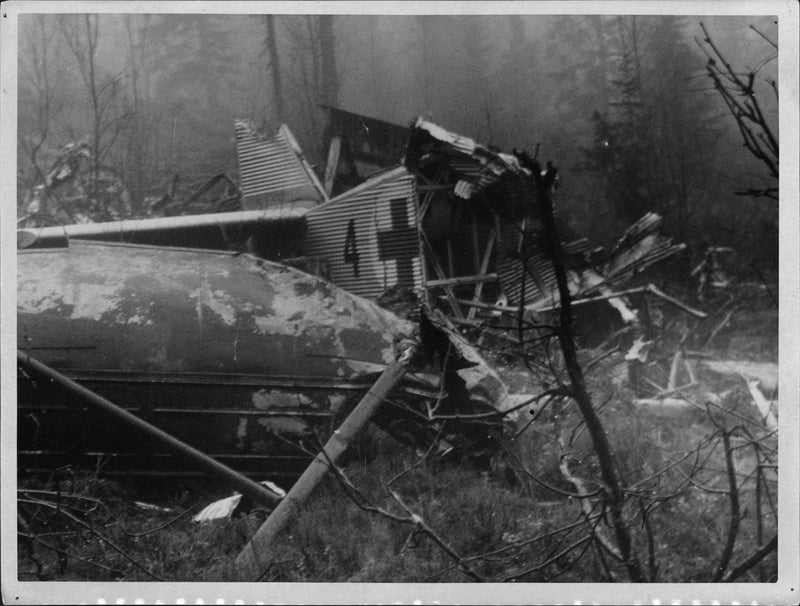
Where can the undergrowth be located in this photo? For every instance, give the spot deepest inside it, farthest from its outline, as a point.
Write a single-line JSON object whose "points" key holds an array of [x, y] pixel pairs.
{"points": [[517, 527]]}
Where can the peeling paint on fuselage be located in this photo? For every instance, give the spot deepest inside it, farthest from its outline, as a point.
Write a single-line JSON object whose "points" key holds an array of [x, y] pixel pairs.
{"points": [[267, 400], [259, 350], [234, 353], [200, 310]]}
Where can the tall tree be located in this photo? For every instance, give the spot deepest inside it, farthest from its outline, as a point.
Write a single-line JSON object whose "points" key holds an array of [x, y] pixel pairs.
{"points": [[519, 99], [196, 82], [683, 149], [140, 156], [40, 98], [313, 77], [654, 142], [274, 65], [621, 146], [738, 92], [329, 81], [109, 111]]}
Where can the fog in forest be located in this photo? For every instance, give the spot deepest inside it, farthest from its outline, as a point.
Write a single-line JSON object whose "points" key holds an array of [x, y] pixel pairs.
{"points": [[621, 104]]}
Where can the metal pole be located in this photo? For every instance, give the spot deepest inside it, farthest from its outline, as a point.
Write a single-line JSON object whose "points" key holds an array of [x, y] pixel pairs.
{"points": [[252, 489], [256, 557]]}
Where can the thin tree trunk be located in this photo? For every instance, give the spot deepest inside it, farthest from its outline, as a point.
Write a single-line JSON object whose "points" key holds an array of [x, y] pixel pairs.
{"points": [[275, 69], [91, 41], [327, 48], [614, 494]]}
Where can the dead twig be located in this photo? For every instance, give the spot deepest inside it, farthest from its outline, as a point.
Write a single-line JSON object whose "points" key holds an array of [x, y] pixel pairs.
{"points": [[550, 560], [423, 527], [758, 555], [92, 530], [717, 329], [37, 539], [586, 506]]}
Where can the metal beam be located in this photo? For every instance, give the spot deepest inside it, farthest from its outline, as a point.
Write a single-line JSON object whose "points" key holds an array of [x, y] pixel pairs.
{"points": [[257, 556], [462, 280], [255, 491]]}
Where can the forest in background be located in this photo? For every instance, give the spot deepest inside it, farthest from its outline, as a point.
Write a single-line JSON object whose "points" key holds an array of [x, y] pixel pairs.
{"points": [[621, 104], [626, 108]]}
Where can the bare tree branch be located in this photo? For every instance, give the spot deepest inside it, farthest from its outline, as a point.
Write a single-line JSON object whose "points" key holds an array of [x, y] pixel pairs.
{"points": [[751, 561]]}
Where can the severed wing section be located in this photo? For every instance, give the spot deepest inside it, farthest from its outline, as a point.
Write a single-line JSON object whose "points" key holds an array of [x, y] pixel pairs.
{"points": [[273, 232]]}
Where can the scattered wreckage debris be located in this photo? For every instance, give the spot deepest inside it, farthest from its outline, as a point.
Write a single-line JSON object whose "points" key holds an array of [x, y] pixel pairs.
{"points": [[79, 397], [477, 199], [231, 506], [685, 388], [76, 191], [400, 227], [269, 352], [217, 194], [709, 271], [244, 359]]}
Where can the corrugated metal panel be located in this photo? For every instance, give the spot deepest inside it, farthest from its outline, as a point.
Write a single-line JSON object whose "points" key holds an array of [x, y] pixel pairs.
{"points": [[368, 235], [540, 280], [272, 170]]}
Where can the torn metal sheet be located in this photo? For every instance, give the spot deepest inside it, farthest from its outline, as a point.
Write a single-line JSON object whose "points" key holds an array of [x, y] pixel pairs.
{"points": [[598, 273], [273, 170], [497, 193], [477, 166]]}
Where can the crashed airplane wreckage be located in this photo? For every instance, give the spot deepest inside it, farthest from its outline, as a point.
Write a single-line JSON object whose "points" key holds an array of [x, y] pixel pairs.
{"points": [[250, 360], [241, 357]]}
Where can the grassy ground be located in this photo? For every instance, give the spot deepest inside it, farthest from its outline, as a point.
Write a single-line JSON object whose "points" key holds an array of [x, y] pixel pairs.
{"points": [[496, 525]]}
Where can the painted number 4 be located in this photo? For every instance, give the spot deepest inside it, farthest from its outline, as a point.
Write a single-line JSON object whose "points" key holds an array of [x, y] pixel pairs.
{"points": [[351, 247]]}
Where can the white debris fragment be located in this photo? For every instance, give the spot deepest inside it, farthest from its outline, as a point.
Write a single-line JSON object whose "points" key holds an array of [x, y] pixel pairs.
{"points": [[639, 350], [764, 406], [224, 508], [218, 510], [150, 506]]}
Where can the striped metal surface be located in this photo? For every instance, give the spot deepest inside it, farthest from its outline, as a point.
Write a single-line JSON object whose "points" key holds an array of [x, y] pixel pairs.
{"points": [[272, 170], [540, 279], [368, 235], [640, 247]]}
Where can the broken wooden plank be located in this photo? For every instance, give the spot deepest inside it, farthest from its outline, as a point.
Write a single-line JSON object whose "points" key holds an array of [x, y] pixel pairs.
{"points": [[484, 268], [440, 272], [672, 382], [460, 280], [652, 289], [423, 259], [610, 295], [333, 163], [717, 329], [257, 556]]}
